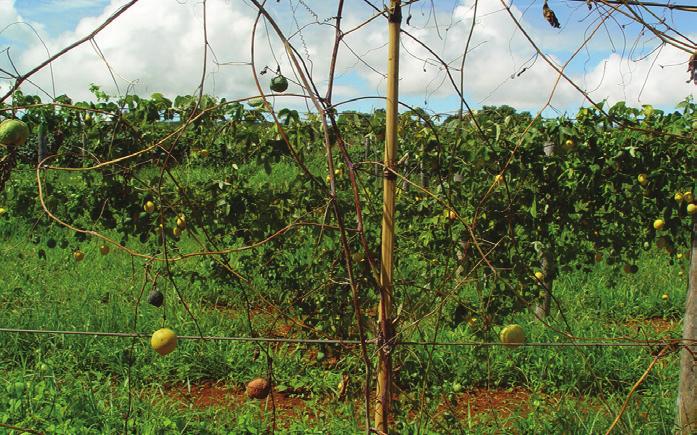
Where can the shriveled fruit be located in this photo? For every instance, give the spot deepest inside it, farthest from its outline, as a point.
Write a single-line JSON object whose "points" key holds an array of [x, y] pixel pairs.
{"points": [[78, 255], [13, 132], [156, 298], [512, 335], [662, 242], [51, 243], [279, 84], [258, 388], [163, 341]]}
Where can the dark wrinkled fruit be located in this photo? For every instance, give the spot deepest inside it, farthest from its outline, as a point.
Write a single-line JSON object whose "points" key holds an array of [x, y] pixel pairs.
{"points": [[258, 388], [156, 298], [42, 254], [279, 84], [51, 243]]}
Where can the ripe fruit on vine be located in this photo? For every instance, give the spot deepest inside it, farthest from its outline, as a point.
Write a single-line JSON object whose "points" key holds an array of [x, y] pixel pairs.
{"points": [[13, 132], [163, 341], [78, 255], [687, 196], [279, 84], [659, 224], [452, 215], [181, 222], [149, 207], [176, 231], [104, 249], [512, 335], [258, 388], [539, 275], [643, 179], [691, 208], [678, 197]]}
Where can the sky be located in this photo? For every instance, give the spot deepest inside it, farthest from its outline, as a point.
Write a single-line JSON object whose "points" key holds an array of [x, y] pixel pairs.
{"points": [[158, 46]]}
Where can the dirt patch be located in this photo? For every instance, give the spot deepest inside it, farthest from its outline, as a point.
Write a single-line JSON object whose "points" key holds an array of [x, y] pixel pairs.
{"points": [[209, 394], [206, 394], [657, 325], [482, 402]]}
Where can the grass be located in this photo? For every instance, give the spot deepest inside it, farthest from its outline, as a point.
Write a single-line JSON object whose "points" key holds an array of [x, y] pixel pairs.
{"points": [[71, 384]]}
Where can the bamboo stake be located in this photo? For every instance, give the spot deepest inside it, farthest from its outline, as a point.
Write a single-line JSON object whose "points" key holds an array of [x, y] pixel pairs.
{"points": [[385, 340], [687, 387]]}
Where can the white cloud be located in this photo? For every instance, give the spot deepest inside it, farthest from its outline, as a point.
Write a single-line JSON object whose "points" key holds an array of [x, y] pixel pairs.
{"points": [[158, 47]]}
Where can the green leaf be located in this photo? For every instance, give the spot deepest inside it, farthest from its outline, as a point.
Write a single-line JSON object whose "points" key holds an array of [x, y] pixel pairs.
{"points": [[533, 207]]}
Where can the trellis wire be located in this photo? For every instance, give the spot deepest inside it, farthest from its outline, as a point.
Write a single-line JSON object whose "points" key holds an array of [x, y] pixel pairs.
{"points": [[637, 343]]}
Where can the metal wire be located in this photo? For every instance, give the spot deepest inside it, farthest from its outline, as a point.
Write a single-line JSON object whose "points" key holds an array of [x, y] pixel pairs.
{"points": [[638, 343]]}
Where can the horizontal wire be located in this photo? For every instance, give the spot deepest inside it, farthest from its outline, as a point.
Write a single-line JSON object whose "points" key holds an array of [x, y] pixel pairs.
{"points": [[638, 343]]}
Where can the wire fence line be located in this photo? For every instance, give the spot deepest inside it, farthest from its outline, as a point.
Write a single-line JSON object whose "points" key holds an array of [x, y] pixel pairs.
{"points": [[628, 343]]}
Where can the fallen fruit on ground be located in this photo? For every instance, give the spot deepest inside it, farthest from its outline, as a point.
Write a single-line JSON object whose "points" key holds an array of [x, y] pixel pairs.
{"points": [[78, 255], [203, 153], [13, 132], [258, 388], [512, 335], [104, 249], [163, 341]]}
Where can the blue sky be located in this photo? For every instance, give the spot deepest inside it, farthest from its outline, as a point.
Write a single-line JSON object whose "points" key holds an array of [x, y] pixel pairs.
{"points": [[156, 47]]}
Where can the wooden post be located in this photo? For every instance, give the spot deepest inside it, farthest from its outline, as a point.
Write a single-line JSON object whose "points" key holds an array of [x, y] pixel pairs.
{"points": [[687, 388], [386, 328]]}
